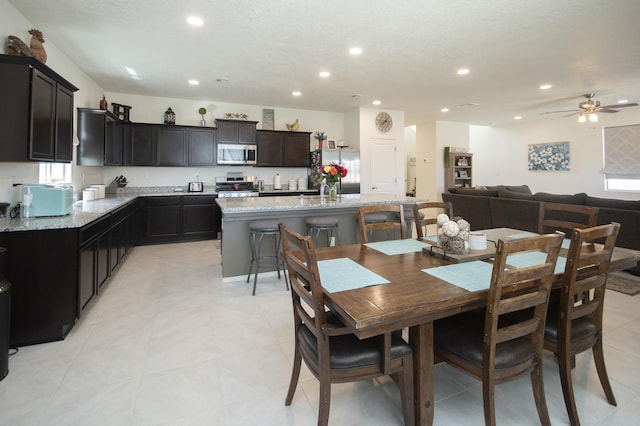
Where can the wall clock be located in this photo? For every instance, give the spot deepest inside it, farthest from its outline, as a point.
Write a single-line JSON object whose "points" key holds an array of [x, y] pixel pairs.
{"points": [[384, 122]]}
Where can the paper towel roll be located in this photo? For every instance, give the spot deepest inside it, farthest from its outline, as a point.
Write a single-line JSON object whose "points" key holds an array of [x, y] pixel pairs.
{"points": [[477, 241], [276, 182]]}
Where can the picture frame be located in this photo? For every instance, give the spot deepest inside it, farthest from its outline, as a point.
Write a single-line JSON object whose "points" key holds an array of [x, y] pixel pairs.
{"points": [[463, 162], [331, 144], [463, 174]]}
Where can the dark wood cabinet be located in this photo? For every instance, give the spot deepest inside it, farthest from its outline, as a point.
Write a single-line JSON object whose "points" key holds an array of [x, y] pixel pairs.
{"points": [[236, 131], [172, 147], [36, 111], [283, 149], [202, 147], [100, 135], [170, 219], [140, 145]]}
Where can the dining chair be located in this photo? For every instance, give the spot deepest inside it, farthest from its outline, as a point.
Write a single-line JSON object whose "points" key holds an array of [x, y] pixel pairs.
{"points": [[574, 327], [480, 344], [429, 217], [330, 349], [392, 210], [565, 217]]}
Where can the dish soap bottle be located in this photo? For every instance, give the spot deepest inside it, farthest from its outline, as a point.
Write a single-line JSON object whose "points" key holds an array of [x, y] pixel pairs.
{"points": [[27, 201]]}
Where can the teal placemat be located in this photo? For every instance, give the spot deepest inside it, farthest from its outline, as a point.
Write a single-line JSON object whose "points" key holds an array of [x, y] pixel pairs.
{"points": [[522, 260], [521, 235], [431, 238], [392, 247], [471, 276], [345, 274]]}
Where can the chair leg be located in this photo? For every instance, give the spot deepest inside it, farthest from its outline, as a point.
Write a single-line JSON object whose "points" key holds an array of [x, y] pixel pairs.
{"points": [[598, 357], [488, 398], [325, 402], [295, 374], [538, 393], [564, 365]]}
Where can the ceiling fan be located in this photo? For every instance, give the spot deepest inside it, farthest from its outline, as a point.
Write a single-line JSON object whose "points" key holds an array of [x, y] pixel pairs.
{"points": [[589, 108]]}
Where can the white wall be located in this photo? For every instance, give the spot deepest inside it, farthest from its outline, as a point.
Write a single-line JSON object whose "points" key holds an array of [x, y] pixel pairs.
{"points": [[426, 162], [500, 154]]}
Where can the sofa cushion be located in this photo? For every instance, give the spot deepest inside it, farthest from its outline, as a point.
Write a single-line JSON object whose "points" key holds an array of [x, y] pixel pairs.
{"points": [[480, 192], [560, 198], [522, 189], [513, 194], [612, 203], [496, 187]]}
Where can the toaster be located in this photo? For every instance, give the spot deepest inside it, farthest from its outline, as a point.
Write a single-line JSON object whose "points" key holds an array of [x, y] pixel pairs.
{"points": [[50, 199]]}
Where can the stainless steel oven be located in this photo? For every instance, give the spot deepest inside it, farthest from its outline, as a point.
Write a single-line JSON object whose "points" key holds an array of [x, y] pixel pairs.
{"points": [[235, 185], [237, 154]]}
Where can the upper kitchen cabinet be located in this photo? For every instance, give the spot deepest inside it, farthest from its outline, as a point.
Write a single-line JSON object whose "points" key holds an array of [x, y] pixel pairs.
{"points": [[100, 134], [202, 147], [283, 148], [140, 145], [36, 112], [236, 131], [172, 146]]}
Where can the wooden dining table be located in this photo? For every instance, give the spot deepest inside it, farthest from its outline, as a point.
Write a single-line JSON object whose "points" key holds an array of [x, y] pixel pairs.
{"points": [[414, 299]]}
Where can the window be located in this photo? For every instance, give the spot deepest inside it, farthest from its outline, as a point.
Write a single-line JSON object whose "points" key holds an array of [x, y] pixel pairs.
{"points": [[622, 158], [55, 173]]}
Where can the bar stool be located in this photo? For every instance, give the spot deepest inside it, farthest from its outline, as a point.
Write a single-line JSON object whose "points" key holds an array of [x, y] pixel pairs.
{"points": [[408, 219], [375, 218], [258, 230], [328, 224]]}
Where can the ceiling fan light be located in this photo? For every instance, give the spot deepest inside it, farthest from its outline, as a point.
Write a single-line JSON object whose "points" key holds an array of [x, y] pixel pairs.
{"points": [[593, 117], [582, 118]]}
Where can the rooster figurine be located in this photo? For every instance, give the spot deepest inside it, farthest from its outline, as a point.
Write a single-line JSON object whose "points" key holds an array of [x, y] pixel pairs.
{"points": [[36, 45], [17, 47], [293, 127]]}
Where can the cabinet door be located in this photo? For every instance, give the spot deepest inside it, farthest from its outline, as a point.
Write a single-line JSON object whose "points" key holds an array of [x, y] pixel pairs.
{"points": [[43, 116], [141, 146], [91, 134], [113, 142], [102, 258], [199, 217], [171, 148], [270, 145], [164, 219], [247, 133], [87, 274], [296, 150], [202, 147], [64, 125], [227, 131]]}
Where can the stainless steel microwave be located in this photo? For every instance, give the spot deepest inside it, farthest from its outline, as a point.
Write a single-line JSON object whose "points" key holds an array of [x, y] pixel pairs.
{"points": [[237, 154]]}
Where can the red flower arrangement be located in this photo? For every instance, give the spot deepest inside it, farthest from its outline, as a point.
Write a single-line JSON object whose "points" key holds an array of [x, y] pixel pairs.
{"points": [[332, 172]]}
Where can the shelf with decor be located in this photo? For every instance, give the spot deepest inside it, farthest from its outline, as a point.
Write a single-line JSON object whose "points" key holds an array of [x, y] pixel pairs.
{"points": [[458, 170]]}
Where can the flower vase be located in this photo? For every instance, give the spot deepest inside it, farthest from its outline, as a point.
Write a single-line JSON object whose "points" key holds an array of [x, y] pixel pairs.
{"points": [[333, 191], [203, 122]]}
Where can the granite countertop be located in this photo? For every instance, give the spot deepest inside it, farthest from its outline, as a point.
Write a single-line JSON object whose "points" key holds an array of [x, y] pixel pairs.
{"points": [[302, 202]]}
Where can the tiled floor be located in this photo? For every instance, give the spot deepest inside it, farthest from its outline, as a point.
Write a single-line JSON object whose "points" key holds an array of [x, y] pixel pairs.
{"points": [[168, 343]]}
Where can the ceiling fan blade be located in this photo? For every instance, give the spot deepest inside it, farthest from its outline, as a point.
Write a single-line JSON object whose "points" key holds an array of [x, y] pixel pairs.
{"points": [[608, 111], [633, 104], [554, 112]]}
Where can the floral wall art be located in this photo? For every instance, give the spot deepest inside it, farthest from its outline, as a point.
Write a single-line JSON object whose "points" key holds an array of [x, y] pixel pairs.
{"points": [[549, 156]]}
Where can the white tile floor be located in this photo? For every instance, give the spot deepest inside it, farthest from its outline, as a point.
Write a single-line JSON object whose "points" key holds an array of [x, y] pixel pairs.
{"points": [[168, 343]]}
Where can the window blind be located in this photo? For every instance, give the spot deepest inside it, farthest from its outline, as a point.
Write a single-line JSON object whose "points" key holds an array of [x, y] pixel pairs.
{"points": [[622, 152]]}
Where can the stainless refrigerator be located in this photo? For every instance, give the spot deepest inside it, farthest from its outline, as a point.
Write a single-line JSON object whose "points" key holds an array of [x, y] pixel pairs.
{"points": [[349, 158]]}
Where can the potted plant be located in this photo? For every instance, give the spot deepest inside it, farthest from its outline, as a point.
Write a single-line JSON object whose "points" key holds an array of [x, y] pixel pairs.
{"points": [[202, 112]]}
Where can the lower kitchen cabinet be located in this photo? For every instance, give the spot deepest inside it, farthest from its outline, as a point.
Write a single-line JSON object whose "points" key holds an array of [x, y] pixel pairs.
{"points": [[170, 219]]}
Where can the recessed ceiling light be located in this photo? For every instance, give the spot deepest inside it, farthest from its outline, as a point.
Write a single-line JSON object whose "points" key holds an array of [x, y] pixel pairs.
{"points": [[517, 117], [222, 80], [376, 102], [355, 50], [463, 71], [325, 74], [194, 82], [545, 87], [131, 71], [444, 110], [296, 93], [623, 101], [195, 21]]}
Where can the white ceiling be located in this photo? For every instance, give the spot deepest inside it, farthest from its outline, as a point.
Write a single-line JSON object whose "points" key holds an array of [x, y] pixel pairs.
{"points": [[412, 49]]}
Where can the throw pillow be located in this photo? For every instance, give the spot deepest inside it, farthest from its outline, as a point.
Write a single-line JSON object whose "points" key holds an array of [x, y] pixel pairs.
{"points": [[522, 189], [514, 195], [561, 198], [480, 192]]}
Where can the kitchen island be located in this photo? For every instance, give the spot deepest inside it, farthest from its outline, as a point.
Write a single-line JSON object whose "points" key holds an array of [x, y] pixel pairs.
{"points": [[237, 213]]}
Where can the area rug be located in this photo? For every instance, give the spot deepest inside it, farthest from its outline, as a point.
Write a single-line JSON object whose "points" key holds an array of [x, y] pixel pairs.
{"points": [[624, 282]]}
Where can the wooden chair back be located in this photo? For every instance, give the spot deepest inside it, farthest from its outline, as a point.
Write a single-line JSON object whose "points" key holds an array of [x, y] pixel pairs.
{"points": [[566, 217], [433, 209], [581, 306], [392, 210]]}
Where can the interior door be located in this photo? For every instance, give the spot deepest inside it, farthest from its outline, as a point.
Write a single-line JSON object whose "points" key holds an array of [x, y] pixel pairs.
{"points": [[382, 166]]}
